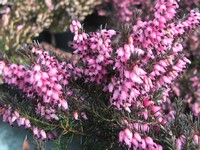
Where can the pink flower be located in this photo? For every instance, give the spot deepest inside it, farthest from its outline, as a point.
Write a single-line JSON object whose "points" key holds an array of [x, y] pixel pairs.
{"points": [[75, 115], [136, 126], [36, 132], [166, 79], [37, 68], [84, 116], [75, 26], [145, 128], [180, 142], [149, 141], [37, 76], [110, 87], [135, 78], [52, 72], [145, 114], [147, 103], [159, 68], [115, 94], [137, 136], [64, 104], [121, 136], [21, 121], [14, 117], [143, 144], [155, 109], [127, 109], [43, 134], [27, 123], [159, 147], [123, 95], [128, 137], [196, 139], [134, 142]]}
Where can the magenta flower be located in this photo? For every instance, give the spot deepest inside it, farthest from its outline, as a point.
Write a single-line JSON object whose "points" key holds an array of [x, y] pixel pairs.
{"points": [[43, 135], [75, 115]]}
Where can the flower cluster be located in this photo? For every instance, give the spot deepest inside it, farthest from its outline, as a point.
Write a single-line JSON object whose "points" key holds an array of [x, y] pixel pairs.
{"points": [[11, 117], [150, 60], [95, 51], [182, 139], [125, 12], [41, 134], [120, 82], [192, 21], [134, 138], [43, 83], [43, 79]]}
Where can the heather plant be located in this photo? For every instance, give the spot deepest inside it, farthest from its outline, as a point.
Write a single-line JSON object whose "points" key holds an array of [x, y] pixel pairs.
{"points": [[115, 95], [126, 11]]}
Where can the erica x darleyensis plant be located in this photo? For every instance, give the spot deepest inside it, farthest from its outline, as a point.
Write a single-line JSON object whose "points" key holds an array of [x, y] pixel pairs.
{"points": [[126, 11], [115, 95]]}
